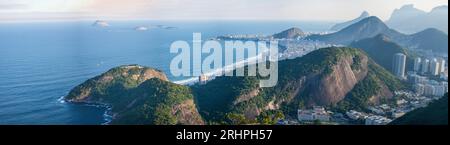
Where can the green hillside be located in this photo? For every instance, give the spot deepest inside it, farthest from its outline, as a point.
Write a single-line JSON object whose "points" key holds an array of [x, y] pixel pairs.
{"points": [[382, 50], [300, 85]]}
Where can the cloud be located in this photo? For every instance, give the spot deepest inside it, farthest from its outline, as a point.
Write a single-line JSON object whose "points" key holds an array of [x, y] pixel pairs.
{"points": [[119, 6], [215, 9], [252, 9], [12, 6]]}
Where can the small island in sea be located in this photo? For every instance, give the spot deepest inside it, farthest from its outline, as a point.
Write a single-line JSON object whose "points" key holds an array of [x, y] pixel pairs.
{"points": [[101, 23], [141, 28]]}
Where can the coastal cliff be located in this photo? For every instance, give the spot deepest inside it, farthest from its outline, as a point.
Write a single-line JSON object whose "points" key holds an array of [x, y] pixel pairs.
{"points": [[138, 95]]}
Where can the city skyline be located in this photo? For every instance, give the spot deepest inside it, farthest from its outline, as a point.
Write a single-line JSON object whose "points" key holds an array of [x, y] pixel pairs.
{"points": [[320, 10]]}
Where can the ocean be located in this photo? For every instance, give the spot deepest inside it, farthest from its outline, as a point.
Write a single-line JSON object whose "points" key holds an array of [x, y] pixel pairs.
{"points": [[40, 62]]}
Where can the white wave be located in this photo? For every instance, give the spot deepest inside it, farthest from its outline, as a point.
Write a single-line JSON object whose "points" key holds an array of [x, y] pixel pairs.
{"points": [[61, 100], [223, 70], [107, 116]]}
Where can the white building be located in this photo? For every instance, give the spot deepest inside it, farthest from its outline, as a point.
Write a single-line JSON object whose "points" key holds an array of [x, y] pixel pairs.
{"points": [[398, 114], [376, 110], [203, 79], [419, 89], [318, 113], [425, 66], [434, 88], [429, 90], [416, 79], [401, 102], [441, 65], [445, 84], [399, 65], [439, 90], [377, 120], [434, 67], [417, 64], [355, 115]]}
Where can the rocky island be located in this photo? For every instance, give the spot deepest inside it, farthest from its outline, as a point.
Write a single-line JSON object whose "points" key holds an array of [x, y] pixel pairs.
{"points": [[100, 23]]}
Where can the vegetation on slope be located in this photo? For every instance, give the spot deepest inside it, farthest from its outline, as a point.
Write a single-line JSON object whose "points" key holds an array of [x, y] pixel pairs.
{"points": [[217, 99], [139, 95], [104, 87], [159, 102], [360, 97], [381, 43]]}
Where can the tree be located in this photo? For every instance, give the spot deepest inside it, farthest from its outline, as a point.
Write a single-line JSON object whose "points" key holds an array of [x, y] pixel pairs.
{"points": [[270, 117], [317, 122]]}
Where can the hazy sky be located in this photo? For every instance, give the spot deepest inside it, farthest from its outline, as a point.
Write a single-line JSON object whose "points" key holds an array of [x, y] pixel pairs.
{"points": [[203, 9]]}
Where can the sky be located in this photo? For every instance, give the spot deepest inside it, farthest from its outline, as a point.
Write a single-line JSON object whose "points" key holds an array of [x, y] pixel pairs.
{"points": [[315, 10]]}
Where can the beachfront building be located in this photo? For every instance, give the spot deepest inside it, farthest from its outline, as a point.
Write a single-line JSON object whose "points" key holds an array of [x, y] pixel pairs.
{"points": [[317, 113], [203, 79]]}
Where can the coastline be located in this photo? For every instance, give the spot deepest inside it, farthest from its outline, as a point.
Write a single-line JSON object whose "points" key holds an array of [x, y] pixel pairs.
{"points": [[107, 115]]}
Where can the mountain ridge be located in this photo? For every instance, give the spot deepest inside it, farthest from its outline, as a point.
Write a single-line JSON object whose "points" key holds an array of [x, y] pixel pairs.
{"points": [[366, 28], [428, 39], [409, 19], [340, 26], [291, 33], [382, 43]]}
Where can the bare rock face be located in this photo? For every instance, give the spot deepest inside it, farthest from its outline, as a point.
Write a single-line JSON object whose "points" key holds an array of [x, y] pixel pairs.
{"points": [[187, 113], [334, 87], [247, 96], [384, 93]]}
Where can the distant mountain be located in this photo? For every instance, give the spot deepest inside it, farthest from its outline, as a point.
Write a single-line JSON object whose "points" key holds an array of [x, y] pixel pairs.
{"points": [[141, 28], [411, 20], [382, 50], [100, 23], [366, 28], [343, 25], [429, 39], [292, 33], [406, 12], [435, 113]]}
